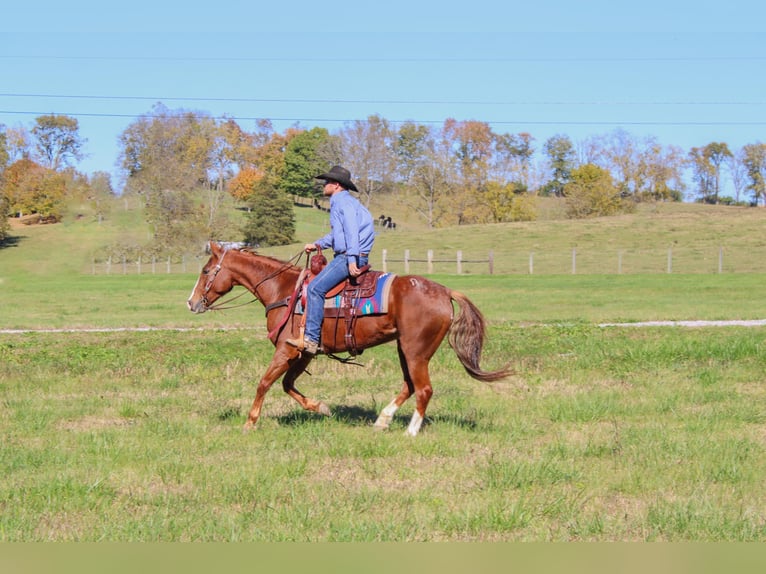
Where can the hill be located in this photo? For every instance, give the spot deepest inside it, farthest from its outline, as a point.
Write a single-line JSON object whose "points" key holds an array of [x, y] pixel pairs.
{"points": [[685, 238]]}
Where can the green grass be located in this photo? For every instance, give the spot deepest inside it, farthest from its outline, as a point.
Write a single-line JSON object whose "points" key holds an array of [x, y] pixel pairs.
{"points": [[604, 434]]}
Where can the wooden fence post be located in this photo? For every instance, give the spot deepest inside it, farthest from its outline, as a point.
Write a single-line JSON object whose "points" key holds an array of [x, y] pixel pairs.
{"points": [[670, 260], [720, 260], [574, 261], [430, 261], [531, 263], [491, 262], [406, 261], [459, 262]]}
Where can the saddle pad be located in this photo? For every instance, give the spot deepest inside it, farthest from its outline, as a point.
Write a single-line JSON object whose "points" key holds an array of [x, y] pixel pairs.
{"points": [[376, 304]]}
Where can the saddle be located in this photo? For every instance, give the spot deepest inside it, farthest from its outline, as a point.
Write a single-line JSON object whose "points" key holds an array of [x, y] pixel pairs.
{"points": [[350, 291]]}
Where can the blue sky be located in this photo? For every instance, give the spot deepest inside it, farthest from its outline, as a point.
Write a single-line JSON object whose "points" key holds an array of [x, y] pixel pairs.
{"points": [[688, 73]]}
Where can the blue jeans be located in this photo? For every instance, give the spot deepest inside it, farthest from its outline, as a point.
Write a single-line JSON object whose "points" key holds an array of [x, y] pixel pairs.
{"points": [[333, 273]]}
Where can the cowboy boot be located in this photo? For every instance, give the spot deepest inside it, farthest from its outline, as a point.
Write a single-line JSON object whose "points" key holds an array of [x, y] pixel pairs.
{"points": [[304, 345]]}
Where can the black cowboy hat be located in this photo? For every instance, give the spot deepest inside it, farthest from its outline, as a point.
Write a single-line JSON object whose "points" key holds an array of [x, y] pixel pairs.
{"points": [[339, 174]]}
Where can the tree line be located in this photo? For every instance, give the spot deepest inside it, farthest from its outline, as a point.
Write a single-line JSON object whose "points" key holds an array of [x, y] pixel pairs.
{"points": [[189, 169]]}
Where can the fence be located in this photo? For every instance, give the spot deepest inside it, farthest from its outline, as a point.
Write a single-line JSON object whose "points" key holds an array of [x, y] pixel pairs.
{"points": [[153, 266], [695, 260]]}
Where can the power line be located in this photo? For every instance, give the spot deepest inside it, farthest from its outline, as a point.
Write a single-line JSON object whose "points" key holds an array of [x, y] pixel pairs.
{"points": [[411, 60], [387, 102], [436, 122]]}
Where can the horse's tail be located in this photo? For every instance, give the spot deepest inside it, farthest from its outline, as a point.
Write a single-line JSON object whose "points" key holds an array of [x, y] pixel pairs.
{"points": [[466, 337]]}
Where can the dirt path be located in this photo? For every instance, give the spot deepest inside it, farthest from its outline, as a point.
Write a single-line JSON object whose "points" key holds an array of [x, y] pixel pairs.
{"points": [[691, 324]]}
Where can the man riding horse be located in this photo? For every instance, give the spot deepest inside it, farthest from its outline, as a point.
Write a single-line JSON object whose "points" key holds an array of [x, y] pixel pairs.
{"points": [[351, 238]]}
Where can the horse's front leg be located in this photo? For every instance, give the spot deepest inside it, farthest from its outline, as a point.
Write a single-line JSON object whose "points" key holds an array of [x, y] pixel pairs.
{"points": [[288, 385], [278, 366]]}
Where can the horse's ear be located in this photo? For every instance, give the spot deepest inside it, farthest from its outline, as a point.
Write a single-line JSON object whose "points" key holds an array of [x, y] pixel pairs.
{"points": [[213, 247]]}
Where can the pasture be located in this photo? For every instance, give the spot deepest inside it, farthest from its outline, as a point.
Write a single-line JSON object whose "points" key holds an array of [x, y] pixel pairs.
{"points": [[603, 434]]}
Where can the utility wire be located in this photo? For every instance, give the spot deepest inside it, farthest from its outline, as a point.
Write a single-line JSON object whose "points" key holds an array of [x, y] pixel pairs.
{"points": [[387, 102], [436, 122]]}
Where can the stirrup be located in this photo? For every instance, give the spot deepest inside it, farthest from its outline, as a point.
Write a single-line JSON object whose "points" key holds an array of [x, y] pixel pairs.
{"points": [[299, 343]]}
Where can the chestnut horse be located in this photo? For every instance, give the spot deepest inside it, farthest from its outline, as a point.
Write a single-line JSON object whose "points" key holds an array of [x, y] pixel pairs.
{"points": [[420, 314]]}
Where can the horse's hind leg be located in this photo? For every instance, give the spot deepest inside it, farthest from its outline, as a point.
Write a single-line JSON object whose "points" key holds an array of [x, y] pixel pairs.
{"points": [[288, 385], [423, 391], [417, 381], [387, 414]]}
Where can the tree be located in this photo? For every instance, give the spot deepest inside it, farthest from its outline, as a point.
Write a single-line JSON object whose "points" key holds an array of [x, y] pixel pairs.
{"points": [[433, 178], [302, 162], [271, 220], [706, 162], [57, 140], [561, 158], [513, 157], [101, 193], [409, 148], [5, 154], [32, 188], [738, 173], [367, 150], [166, 156], [242, 185], [591, 193], [5, 227], [509, 202], [754, 158]]}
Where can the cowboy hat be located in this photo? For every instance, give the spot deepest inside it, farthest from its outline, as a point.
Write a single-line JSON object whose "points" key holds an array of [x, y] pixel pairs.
{"points": [[340, 175]]}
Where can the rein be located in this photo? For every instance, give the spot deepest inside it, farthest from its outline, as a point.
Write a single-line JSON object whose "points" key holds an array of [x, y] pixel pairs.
{"points": [[224, 305]]}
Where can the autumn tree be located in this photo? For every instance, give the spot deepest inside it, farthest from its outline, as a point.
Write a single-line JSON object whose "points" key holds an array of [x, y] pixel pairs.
{"points": [[367, 152], [101, 194], [5, 227], [509, 202], [706, 163], [409, 148], [754, 159], [166, 158], [513, 158], [57, 140], [5, 154], [433, 177], [242, 185], [738, 173], [590, 192]]}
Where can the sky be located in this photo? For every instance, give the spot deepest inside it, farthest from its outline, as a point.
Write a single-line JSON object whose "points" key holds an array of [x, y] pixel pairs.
{"points": [[684, 72]]}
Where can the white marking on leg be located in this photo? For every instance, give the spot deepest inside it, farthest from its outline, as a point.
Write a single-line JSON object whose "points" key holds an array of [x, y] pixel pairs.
{"points": [[386, 415], [415, 423]]}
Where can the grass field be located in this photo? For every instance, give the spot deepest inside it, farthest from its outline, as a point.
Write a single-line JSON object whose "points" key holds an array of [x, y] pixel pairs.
{"points": [[603, 434]]}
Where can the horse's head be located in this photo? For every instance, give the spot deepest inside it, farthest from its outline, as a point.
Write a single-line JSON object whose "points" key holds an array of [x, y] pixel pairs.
{"points": [[214, 281]]}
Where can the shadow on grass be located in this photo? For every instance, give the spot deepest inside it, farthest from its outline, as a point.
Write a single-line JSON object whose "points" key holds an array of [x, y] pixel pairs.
{"points": [[366, 417]]}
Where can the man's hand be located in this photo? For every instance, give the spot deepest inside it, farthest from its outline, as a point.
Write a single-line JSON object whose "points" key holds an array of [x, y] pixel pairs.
{"points": [[353, 270], [309, 247]]}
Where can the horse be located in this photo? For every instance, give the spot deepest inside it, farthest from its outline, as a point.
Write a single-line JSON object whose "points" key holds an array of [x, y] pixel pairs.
{"points": [[419, 315]]}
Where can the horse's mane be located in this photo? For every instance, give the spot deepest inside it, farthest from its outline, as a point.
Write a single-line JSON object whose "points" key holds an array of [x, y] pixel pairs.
{"points": [[253, 252]]}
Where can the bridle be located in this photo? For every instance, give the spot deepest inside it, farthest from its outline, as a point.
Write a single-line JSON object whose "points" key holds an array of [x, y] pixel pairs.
{"points": [[223, 305]]}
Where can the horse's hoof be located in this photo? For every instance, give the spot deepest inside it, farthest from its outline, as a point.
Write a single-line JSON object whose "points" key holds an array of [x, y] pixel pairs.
{"points": [[323, 409], [379, 428], [248, 427]]}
